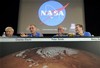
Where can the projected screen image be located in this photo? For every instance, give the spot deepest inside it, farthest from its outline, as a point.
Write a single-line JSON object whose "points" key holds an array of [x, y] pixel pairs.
{"points": [[47, 15], [50, 54]]}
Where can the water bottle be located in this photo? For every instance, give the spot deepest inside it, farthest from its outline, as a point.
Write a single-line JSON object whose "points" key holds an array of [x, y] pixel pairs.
{"points": [[4, 35]]}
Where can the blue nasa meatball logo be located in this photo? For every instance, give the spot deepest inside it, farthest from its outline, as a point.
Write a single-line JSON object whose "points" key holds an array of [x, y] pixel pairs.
{"points": [[52, 13]]}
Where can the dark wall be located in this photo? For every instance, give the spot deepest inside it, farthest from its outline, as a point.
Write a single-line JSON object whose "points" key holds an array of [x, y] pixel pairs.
{"points": [[9, 15], [92, 16]]}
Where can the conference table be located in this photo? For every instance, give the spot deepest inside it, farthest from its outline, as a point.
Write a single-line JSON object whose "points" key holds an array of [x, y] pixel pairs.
{"points": [[19, 39]]}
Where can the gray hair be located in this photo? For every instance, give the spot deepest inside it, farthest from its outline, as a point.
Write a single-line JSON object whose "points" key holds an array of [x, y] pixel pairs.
{"points": [[9, 28]]}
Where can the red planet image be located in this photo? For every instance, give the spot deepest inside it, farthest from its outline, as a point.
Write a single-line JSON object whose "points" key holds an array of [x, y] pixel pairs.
{"points": [[50, 57]]}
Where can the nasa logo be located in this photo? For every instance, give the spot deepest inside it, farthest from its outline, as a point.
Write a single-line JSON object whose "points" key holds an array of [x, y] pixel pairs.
{"points": [[52, 13]]}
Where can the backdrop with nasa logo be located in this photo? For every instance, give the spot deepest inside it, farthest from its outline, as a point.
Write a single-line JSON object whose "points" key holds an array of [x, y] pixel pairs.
{"points": [[47, 15]]}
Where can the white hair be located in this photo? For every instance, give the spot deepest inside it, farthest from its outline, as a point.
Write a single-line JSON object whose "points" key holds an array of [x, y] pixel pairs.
{"points": [[9, 28]]}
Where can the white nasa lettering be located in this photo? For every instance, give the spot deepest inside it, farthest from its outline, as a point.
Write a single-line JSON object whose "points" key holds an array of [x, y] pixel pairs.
{"points": [[43, 12], [61, 13], [55, 13], [50, 13]]}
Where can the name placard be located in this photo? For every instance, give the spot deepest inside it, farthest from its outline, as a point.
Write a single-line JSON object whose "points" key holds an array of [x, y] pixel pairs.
{"points": [[47, 39]]}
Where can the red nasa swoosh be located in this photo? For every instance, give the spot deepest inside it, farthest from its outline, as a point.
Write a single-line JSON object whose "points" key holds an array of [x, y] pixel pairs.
{"points": [[59, 9]]}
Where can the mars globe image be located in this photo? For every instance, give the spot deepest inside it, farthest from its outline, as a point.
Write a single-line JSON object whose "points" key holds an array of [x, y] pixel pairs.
{"points": [[50, 57]]}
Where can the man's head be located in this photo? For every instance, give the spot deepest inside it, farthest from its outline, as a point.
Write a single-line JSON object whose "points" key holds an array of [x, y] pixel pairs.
{"points": [[9, 31], [60, 29], [32, 28], [79, 28]]}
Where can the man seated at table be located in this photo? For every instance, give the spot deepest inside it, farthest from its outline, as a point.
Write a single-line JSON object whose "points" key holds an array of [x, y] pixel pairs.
{"points": [[61, 32], [33, 32], [80, 31], [9, 32]]}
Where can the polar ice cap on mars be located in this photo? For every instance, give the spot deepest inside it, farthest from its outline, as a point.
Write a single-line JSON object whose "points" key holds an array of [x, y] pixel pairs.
{"points": [[54, 51]]}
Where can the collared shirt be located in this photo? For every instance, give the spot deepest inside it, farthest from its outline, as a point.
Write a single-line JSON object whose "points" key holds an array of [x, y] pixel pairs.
{"points": [[84, 34], [87, 34], [37, 34]]}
